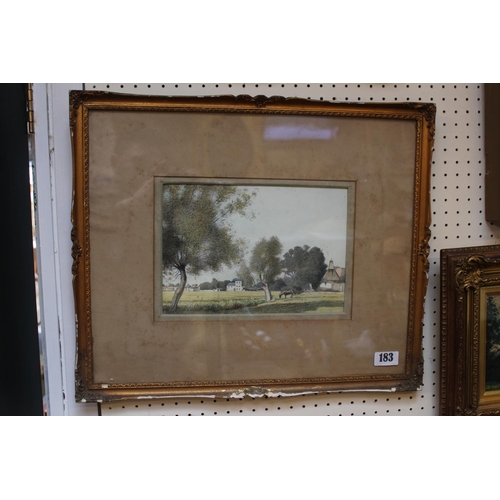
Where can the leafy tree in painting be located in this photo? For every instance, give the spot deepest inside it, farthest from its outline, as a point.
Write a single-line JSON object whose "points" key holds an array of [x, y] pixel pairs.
{"points": [[304, 265], [492, 341], [222, 285], [278, 285], [206, 285], [197, 233], [265, 263], [245, 274]]}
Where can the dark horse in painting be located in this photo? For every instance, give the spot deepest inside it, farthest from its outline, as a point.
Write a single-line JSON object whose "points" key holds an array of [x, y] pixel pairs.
{"points": [[286, 293]]}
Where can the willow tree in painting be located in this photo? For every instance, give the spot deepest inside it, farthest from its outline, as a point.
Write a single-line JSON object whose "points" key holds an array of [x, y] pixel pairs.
{"points": [[265, 263], [197, 232]]}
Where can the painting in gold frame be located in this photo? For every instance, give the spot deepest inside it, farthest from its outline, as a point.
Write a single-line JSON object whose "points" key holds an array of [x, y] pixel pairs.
{"points": [[470, 331], [122, 145]]}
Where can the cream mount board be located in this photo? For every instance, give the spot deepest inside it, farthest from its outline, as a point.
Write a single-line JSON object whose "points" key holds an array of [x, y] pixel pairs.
{"points": [[457, 209]]}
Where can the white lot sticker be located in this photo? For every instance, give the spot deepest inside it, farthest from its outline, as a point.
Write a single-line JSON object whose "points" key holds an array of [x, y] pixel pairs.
{"points": [[386, 358]]}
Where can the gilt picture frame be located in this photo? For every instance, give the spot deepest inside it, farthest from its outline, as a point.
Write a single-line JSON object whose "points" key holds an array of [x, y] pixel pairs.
{"points": [[470, 331], [239, 246]]}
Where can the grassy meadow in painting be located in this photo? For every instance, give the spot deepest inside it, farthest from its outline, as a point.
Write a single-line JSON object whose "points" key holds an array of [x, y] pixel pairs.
{"points": [[254, 302]]}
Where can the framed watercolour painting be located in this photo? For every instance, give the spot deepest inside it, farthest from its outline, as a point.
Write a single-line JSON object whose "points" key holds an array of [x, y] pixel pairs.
{"points": [[470, 325], [232, 246], [232, 236]]}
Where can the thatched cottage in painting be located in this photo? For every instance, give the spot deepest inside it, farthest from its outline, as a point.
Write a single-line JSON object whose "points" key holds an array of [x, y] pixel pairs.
{"points": [[334, 279]]}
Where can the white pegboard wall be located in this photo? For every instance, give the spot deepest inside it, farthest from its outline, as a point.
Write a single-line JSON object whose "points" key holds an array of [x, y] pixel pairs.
{"points": [[457, 207]]}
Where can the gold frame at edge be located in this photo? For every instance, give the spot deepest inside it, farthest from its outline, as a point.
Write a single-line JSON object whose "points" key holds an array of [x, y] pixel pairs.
{"points": [[81, 102], [467, 275]]}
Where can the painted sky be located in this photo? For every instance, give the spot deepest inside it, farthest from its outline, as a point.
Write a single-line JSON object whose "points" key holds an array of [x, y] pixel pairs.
{"points": [[298, 216]]}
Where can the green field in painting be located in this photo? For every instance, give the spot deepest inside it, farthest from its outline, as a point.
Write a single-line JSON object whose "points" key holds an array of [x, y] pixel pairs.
{"points": [[247, 302]]}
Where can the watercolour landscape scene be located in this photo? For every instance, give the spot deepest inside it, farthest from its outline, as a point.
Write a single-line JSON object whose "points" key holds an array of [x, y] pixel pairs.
{"points": [[251, 249]]}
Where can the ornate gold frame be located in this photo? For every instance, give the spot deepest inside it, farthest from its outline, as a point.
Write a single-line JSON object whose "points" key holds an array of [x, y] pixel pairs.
{"points": [[409, 377], [467, 276]]}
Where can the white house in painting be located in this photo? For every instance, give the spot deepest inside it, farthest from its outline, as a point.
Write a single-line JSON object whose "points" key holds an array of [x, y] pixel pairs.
{"points": [[235, 286]]}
